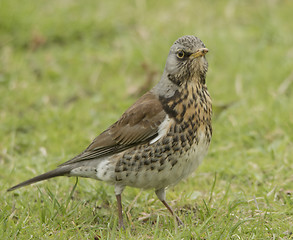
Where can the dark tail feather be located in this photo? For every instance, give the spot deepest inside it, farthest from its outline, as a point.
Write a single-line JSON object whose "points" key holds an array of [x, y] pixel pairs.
{"points": [[61, 171]]}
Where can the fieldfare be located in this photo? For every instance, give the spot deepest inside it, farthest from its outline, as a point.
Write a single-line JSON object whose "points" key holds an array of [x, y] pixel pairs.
{"points": [[160, 139]]}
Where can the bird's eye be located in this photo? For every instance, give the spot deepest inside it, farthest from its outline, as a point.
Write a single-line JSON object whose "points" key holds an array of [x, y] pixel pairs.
{"points": [[180, 54]]}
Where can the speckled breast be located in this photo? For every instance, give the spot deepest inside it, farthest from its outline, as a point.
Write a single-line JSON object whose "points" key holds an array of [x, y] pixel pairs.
{"points": [[177, 153]]}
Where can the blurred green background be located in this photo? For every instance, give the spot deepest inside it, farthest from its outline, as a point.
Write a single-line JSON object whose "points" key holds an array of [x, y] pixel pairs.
{"points": [[68, 69]]}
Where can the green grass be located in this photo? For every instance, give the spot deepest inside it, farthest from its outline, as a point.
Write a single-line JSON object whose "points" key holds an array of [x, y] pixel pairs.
{"points": [[68, 69]]}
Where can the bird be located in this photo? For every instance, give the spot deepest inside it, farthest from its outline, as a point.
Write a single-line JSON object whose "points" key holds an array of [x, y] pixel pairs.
{"points": [[159, 140]]}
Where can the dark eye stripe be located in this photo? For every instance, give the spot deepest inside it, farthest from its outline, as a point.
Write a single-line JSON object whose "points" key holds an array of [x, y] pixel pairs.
{"points": [[186, 55]]}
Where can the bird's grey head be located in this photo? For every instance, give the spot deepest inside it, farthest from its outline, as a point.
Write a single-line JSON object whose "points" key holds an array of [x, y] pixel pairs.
{"points": [[186, 62]]}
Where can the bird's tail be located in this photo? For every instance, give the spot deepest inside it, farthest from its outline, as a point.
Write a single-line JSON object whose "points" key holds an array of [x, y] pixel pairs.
{"points": [[61, 171]]}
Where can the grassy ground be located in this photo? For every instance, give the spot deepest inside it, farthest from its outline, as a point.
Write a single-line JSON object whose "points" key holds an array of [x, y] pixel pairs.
{"points": [[68, 69]]}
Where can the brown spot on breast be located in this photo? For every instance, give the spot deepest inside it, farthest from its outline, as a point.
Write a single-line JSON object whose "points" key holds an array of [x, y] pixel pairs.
{"points": [[147, 162], [167, 148], [176, 148], [161, 168], [165, 140], [174, 163]]}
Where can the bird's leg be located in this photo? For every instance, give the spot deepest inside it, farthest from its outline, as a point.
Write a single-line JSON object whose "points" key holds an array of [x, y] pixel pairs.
{"points": [[118, 190], [121, 225], [162, 196], [171, 211]]}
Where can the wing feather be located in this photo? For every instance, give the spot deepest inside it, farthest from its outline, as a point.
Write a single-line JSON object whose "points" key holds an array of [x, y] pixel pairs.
{"points": [[139, 124]]}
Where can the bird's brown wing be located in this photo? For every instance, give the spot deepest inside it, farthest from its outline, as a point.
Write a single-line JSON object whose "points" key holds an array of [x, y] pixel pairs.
{"points": [[139, 124]]}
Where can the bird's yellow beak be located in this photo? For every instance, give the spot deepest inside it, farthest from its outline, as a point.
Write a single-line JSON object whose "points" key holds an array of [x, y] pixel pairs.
{"points": [[199, 53]]}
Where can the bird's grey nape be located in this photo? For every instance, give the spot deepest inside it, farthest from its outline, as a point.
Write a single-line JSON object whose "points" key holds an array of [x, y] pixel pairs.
{"points": [[165, 87]]}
